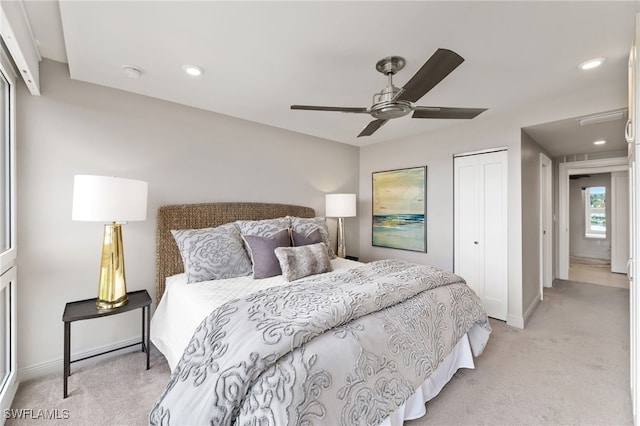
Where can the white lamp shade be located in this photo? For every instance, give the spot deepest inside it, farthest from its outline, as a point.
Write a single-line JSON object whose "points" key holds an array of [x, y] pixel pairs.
{"points": [[108, 199], [340, 205]]}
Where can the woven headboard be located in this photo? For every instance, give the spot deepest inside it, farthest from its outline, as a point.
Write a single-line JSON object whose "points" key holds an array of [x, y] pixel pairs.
{"points": [[194, 216]]}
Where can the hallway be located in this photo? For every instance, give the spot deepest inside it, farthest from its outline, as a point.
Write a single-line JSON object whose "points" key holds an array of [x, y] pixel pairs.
{"points": [[595, 271]]}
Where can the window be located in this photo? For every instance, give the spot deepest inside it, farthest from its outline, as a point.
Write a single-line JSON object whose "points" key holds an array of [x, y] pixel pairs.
{"points": [[595, 216], [8, 281]]}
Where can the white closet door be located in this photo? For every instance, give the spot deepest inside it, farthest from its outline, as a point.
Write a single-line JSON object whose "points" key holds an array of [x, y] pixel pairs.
{"points": [[480, 221], [631, 131]]}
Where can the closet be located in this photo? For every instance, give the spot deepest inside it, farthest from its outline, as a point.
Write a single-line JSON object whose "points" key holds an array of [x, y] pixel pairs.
{"points": [[480, 227]]}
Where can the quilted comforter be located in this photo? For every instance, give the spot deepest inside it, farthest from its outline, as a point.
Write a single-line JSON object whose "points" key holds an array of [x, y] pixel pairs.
{"points": [[340, 348]]}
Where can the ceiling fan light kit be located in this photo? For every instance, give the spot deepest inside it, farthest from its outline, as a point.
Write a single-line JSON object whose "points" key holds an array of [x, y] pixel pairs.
{"points": [[393, 102]]}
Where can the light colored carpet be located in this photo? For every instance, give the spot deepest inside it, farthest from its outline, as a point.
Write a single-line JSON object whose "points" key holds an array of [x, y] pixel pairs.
{"points": [[570, 366]]}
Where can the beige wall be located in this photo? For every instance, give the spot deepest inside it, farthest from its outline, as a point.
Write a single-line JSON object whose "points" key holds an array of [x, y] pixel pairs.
{"points": [[187, 155], [531, 223], [436, 151]]}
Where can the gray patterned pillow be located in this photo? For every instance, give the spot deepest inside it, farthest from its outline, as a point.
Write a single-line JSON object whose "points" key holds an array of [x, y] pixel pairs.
{"points": [[306, 226], [262, 228], [300, 262], [212, 253], [262, 252]]}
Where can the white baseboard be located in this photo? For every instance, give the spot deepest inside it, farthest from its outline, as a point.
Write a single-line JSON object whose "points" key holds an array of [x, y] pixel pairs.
{"points": [[519, 322], [515, 321], [56, 366], [532, 307]]}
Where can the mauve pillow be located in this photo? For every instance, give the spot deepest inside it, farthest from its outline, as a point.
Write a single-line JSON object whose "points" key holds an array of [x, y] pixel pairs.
{"points": [[262, 252], [305, 226], [300, 262], [304, 240]]}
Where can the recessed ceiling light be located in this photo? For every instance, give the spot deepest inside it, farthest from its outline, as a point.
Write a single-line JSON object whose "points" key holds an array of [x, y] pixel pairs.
{"points": [[600, 142], [193, 70], [591, 63], [132, 71]]}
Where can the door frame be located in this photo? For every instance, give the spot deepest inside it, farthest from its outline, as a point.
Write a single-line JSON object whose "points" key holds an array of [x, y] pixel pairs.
{"points": [[546, 218], [565, 170], [619, 229]]}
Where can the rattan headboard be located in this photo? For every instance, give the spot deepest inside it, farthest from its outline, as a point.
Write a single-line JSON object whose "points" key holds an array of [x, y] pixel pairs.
{"points": [[194, 216]]}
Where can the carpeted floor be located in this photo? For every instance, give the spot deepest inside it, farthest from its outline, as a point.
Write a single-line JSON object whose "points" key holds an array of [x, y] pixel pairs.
{"points": [[569, 366]]}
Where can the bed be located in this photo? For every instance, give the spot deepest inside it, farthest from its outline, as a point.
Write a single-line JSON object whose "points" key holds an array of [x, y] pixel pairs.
{"points": [[349, 343]]}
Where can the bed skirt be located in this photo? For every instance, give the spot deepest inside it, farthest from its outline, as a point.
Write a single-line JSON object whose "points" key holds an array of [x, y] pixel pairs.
{"points": [[460, 357]]}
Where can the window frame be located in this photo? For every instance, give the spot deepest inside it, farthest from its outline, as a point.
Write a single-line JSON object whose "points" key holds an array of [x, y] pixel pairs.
{"points": [[8, 268], [589, 232]]}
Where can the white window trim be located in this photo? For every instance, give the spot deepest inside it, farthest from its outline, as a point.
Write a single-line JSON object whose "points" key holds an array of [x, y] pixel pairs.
{"points": [[8, 269], [588, 211], [8, 257]]}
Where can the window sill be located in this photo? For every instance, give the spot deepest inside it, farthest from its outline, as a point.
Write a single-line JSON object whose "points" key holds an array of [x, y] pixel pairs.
{"points": [[595, 237]]}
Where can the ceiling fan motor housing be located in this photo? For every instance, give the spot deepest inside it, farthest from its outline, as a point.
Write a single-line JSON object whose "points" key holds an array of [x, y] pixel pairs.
{"points": [[385, 108]]}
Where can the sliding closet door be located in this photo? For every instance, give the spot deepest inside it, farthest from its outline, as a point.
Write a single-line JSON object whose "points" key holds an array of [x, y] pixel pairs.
{"points": [[480, 222]]}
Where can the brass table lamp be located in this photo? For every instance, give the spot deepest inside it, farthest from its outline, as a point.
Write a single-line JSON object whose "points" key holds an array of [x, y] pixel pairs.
{"points": [[112, 200]]}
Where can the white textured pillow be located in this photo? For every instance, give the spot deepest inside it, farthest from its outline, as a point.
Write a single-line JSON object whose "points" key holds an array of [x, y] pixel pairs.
{"points": [[262, 228], [300, 262], [306, 226], [212, 253]]}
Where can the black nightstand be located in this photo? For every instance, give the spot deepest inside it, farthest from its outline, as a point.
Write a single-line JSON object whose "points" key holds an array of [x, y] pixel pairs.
{"points": [[351, 258], [86, 309]]}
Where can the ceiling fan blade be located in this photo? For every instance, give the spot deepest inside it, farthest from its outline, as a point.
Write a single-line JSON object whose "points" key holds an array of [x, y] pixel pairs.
{"points": [[442, 112], [437, 67], [372, 127], [328, 108]]}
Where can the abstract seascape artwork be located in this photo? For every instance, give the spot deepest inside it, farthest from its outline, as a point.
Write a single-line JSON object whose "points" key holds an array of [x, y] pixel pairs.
{"points": [[399, 209]]}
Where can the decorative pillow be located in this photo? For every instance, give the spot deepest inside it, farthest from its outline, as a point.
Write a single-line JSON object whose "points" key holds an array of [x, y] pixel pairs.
{"points": [[299, 262], [212, 253], [262, 228], [304, 240], [306, 226], [261, 250]]}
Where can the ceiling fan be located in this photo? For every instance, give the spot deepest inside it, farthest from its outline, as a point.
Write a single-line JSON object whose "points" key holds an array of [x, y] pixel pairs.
{"points": [[393, 102]]}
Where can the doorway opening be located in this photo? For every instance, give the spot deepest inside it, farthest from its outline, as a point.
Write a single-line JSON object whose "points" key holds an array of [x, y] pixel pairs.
{"points": [[589, 207]]}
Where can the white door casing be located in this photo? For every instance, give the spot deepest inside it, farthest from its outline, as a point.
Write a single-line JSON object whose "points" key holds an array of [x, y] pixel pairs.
{"points": [[565, 170], [546, 223], [631, 130], [619, 200]]}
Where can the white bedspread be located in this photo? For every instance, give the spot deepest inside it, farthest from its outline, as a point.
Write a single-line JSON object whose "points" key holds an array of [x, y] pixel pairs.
{"points": [[184, 306]]}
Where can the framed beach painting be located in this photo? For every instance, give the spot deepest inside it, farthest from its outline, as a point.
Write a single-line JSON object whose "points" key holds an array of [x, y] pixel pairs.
{"points": [[400, 209]]}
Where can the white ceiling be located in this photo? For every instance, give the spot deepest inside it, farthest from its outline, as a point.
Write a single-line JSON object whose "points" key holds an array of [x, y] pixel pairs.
{"points": [[261, 57]]}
